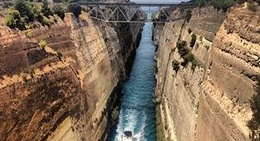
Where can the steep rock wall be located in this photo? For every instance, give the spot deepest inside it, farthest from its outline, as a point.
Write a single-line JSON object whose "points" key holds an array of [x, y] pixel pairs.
{"points": [[64, 90], [208, 98]]}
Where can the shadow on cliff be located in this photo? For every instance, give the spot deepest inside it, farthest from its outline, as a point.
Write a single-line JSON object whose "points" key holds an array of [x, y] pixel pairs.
{"points": [[254, 123]]}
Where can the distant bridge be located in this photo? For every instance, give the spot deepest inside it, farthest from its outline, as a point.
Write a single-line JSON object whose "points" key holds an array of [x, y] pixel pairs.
{"points": [[129, 12]]}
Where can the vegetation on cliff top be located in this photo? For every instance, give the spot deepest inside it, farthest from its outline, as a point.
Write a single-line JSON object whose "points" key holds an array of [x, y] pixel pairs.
{"points": [[254, 123], [58, 10], [24, 12], [74, 8], [221, 4], [14, 20], [46, 11]]}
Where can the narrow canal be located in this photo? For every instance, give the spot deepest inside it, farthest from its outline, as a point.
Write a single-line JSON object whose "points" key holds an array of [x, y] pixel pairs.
{"points": [[137, 112]]}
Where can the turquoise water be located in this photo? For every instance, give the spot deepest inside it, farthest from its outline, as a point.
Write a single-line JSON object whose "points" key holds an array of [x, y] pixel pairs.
{"points": [[137, 112]]}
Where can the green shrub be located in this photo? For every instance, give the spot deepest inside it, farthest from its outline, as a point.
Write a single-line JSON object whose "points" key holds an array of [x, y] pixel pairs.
{"points": [[29, 12], [193, 40], [24, 77], [195, 63], [241, 1], [46, 22], [187, 58], [14, 20], [188, 15], [42, 43], [251, 6], [7, 4], [58, 10], [55, 20], [175, 65], [189, 31], [207, 47], [224, 4], [115, 115], [27, 33], [32, 73], [220, 4], [254, 123], [201, 38], [107, 39], [59, 55], [182, 49], [40, 18], [181, 44], [74, 8], [185, 53]]}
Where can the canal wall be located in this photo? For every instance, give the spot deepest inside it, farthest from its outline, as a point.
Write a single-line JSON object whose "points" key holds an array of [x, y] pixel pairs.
{"points": [[204, 84], [61, 82]]}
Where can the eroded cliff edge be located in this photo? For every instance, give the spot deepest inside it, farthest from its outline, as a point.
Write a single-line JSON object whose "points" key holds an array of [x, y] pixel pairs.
{"points": [[66, 89], [204, 87]]}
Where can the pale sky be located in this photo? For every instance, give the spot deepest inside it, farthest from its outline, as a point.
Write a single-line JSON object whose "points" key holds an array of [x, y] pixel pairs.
{"points": [[159, 1]]}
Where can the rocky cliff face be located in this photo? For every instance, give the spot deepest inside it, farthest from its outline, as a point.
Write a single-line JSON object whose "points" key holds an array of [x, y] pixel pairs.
{"points": [[63, 90], [208, 97]]}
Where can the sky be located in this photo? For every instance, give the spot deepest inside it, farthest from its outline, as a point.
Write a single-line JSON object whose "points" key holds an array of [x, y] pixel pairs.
{"points": [[158, 1]]}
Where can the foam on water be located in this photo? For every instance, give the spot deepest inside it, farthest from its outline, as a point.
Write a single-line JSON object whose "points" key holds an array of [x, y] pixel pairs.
{"points": [[137, 112]]}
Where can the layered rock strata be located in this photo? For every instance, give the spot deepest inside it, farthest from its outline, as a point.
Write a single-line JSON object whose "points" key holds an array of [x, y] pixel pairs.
{"points": [[208, 98], [64, 89]]}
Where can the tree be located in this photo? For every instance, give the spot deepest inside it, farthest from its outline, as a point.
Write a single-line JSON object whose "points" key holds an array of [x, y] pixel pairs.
{"points": [[58, 10], [14, 20], [45, 9], [200, 3], [74, 8], [224, 4], [220, 4], [25, 9]]}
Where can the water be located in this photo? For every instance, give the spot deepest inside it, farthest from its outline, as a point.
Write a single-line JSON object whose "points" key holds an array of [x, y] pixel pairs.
{"points": [[137, 112]]}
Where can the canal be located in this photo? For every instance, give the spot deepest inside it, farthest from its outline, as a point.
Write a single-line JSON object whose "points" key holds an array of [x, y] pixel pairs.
{"points": [[137, 113]]}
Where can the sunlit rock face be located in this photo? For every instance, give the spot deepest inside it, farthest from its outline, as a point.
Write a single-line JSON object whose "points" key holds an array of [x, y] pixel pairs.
{"points": [[208, 99], [64, 89]]}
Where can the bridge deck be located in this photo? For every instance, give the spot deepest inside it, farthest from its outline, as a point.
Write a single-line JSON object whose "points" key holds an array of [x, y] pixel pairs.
{"points": [[138, 4], [128, 11]]}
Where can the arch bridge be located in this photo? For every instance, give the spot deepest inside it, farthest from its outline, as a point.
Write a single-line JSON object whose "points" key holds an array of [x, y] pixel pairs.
{"points": [[128, 12]]}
